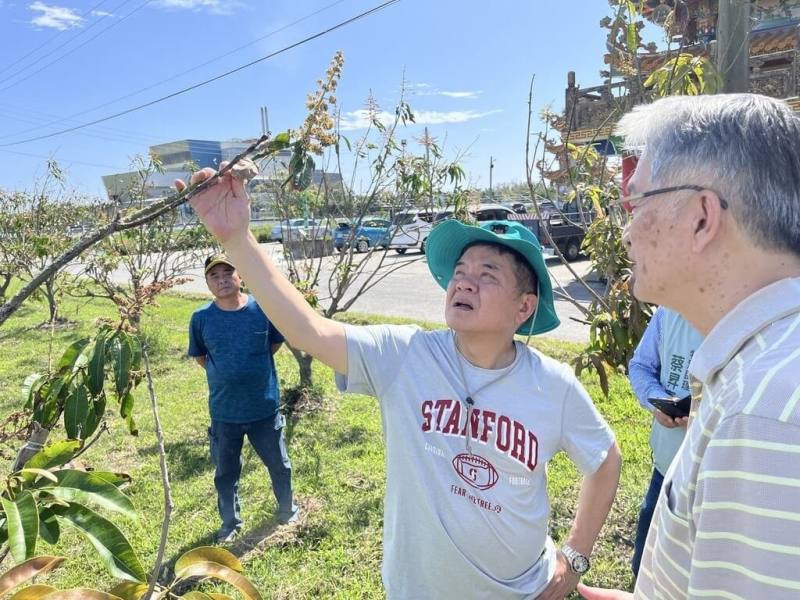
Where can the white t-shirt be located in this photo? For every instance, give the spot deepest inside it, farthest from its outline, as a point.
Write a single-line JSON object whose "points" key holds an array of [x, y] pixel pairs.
{"points": [[460, 524]]}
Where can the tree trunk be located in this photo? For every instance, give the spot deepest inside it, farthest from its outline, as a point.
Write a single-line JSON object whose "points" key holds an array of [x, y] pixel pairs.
{"points": [[52, 301], [5, 282], [304, 361]]}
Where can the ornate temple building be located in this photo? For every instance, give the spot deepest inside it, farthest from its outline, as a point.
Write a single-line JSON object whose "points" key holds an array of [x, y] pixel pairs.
{"points": [[774, 47]]}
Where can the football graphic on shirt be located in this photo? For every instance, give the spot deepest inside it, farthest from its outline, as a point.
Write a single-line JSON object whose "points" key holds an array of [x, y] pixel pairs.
{"points": [[475, 470]]}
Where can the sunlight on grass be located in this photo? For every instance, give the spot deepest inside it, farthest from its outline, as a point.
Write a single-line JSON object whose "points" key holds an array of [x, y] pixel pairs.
{"points": [[337, 455]]}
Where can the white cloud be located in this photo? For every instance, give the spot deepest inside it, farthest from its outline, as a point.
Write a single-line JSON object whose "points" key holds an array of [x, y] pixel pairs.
{"points": [[55, 17], [359, 119], [424, 92], [219, 7], [101, 13], [474, 94]]}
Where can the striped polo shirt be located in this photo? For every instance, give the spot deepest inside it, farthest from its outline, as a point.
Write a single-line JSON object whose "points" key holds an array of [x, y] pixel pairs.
{"points": [[727, 523]]}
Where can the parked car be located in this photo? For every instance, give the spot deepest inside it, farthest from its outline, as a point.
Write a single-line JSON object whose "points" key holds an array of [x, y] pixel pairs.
{"points": [[370, 233], [563, 226], [484, 212], [300, 229], [410, 229], [276, 234]]}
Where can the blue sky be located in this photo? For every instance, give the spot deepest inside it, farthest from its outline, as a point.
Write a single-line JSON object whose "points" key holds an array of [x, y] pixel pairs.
{"points": [[468, 66]]}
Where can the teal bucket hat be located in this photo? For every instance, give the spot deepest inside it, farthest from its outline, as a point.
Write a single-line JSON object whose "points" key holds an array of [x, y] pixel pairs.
{"points": [[447, 241]]}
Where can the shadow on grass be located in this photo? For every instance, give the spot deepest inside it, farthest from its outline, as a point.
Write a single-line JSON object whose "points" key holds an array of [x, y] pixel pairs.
{"points": [[253, 541], [186, 458]]}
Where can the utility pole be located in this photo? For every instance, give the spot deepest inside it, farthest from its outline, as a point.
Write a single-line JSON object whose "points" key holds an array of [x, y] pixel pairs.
{"points": [[733, 45], [491, 168]]}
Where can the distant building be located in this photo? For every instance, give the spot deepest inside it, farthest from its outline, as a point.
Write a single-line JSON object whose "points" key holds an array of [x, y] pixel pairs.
{"points": [[178, 160]]}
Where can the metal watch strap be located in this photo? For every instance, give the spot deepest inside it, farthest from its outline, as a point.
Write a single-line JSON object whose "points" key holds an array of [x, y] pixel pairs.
{"points": [[578, 563]]}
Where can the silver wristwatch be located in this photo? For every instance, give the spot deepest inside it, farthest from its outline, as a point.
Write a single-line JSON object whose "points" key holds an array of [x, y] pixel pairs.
{"points": [[578, 562]]}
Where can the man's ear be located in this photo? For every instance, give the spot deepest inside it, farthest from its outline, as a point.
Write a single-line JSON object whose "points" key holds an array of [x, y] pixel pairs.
{"points": [[527, 305], [706, 220]]}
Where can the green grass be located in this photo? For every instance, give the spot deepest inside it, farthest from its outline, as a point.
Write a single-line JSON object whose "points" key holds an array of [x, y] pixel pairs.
{"points": [[337, 454]]}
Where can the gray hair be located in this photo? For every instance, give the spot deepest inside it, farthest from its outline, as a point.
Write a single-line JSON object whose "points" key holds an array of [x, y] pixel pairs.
{"points": [[746, 147]]}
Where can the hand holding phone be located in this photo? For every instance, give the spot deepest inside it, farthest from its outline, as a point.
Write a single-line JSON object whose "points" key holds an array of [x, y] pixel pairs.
{"points": [[673, 407]]}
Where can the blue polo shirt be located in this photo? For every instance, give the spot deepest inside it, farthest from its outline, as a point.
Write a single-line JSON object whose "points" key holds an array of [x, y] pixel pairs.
{"points": [[242, 382]]}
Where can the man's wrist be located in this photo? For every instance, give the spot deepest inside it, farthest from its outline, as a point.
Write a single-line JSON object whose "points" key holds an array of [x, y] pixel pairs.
{"points": [[578, 563]]}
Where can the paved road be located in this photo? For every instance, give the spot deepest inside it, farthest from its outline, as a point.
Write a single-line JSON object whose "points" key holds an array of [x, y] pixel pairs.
{"points": [[409, 291]]}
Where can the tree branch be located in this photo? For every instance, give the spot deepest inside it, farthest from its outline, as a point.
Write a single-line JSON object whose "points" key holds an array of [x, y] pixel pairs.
{"points": [[162, 455], [141, 217]]}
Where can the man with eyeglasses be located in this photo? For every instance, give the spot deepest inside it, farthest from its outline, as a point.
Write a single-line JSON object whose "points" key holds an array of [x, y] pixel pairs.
{"points": [[714, 234]]}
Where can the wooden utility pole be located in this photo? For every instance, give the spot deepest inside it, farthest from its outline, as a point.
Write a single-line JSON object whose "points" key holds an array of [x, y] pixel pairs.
{"points": [[733, 45]]}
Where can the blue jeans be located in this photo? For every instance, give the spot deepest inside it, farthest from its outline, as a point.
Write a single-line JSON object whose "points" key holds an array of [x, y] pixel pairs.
{"points": [[645, 516], [266, 437]]}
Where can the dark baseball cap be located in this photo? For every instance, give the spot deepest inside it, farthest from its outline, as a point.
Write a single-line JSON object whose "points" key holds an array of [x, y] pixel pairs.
{"points": [[217, 259]]}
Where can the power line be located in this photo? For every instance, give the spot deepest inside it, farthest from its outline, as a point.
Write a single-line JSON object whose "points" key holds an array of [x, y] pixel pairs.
{"points": [[185, 72], [12, 113], [55, 37], [77, 162], [78, 47], [207, 81]]}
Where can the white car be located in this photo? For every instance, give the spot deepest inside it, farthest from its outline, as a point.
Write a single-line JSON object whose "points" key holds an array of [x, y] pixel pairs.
{"points": [[276, 235], [484, 212], [410, 229]]}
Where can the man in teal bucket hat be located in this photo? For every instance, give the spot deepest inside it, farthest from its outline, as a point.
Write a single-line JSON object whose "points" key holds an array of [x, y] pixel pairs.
{"points": [[470, 416]]}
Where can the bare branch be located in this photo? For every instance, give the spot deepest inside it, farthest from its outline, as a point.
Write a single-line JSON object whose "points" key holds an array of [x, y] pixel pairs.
{"points": [[162, 455]]}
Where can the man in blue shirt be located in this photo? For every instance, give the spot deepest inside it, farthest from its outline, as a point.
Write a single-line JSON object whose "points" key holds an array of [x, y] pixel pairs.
{"points": [[660, 369], [232, 339]]}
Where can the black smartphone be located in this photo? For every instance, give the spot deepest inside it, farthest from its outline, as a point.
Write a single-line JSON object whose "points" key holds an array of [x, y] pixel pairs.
{"points": [[673, 407]]}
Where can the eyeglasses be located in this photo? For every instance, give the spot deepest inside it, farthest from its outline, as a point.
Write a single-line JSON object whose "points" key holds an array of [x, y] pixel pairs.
{"points": [[627, 201]]}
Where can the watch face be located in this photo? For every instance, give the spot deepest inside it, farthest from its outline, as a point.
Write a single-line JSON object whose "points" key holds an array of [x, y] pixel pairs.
{"points": [[580, 564]]}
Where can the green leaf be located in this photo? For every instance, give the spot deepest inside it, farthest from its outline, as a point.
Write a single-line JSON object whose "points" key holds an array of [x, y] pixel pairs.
{"points": [[71, 354], [97, 364], [81, 594], [631, 38], [31, 383], [133, 428], [97, 411], [122, 356], [49, 529], [44, 473], [22, 516], [116, 479], [28, 570], [112, 546], [89, 487], [129, 590], [196, 596], [126, 405], [208, 554], [218, 571], [136, 346], [76, 409], [34, 592], [54, 455]]}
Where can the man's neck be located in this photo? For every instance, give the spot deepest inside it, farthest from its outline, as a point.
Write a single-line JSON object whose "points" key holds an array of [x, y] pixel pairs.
{"points": [[231, 302], [725, 287], [486, 353]]}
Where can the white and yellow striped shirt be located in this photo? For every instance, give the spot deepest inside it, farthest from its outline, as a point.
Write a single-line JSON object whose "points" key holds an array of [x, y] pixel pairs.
{"points": [[727, 524]]}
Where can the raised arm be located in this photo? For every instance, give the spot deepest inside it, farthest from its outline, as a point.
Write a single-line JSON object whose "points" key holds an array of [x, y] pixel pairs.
{"points": [[224, 208]]}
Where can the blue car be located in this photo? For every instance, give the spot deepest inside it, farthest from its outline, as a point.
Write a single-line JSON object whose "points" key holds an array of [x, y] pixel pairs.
{"points": [[372, 232]]}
